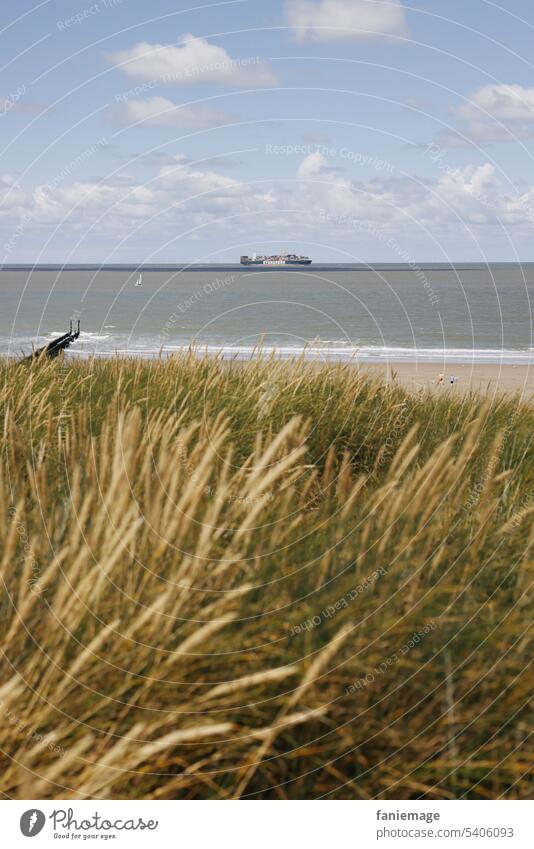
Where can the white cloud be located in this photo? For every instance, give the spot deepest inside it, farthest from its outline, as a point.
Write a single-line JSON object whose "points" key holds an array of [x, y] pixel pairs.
{"points": [[192, 61], [313, 165], [503, 102], [181, 196], [493, 113], [161, 112], [178, 195], [331, 20], [469, 196]]}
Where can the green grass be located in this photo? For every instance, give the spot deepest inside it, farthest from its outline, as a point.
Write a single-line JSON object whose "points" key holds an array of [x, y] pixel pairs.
{"points": [[212, 575]]}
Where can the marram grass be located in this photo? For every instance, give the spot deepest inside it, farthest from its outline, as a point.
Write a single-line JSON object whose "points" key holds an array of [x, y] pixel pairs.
{"points": [[269, 580]]}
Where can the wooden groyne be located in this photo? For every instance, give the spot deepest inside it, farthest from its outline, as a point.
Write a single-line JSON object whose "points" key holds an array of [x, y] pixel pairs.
{"points": [[56, 346]]}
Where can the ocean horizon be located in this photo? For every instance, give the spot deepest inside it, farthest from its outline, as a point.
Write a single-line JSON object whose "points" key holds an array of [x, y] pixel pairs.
{"points": [[201, 266]]}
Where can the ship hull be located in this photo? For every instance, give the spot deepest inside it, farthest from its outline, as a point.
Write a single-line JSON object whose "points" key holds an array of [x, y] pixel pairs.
{"points": [[275, 263]]}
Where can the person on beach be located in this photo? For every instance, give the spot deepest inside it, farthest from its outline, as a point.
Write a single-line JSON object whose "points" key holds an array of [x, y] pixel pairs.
{"points": [[440, 379], [451, 379]]}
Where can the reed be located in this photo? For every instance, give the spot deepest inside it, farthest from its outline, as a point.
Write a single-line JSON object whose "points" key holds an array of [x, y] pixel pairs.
{"points": [[261, 580]]}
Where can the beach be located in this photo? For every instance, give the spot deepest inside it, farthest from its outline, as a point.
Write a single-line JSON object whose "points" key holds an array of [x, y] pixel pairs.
{"points": [[483, 378]]}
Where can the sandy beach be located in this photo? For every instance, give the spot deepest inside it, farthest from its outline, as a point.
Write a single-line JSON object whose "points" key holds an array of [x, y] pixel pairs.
{"points": [[477, 377]]}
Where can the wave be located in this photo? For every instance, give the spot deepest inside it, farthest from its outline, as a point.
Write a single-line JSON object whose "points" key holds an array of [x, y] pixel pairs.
{"points": [[326, 351], [96, 337], [92, 343]]}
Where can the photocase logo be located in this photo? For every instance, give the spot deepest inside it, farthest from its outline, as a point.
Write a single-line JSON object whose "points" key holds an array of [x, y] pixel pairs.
{"points": [[32, 822]]}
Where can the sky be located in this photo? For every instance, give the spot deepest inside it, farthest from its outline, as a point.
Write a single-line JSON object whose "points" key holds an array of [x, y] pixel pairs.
{"points": [[346, 130]]}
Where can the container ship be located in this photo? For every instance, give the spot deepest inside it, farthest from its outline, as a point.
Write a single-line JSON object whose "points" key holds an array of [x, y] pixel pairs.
{"points": [[277, 259]]}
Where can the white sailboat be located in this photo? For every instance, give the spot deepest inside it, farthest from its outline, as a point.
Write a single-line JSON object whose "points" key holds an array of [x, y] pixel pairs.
{"points": [[139, 281]]}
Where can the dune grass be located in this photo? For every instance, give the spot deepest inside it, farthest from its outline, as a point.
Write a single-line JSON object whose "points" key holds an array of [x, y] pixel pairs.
{"points": [[271, 580]]}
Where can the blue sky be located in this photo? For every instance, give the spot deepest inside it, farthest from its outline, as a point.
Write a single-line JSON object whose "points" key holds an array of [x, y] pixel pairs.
{"points": [[350, 130]]}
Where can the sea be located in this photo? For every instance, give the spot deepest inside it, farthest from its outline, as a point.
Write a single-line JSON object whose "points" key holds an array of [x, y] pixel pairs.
{"points": [[463, 313]]}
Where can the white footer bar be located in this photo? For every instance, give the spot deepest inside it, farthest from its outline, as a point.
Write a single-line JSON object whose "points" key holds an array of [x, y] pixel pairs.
{"points": [[268, 824]]}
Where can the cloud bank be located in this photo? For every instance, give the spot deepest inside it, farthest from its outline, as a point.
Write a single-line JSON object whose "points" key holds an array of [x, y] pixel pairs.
{"points": [[316, 201]]}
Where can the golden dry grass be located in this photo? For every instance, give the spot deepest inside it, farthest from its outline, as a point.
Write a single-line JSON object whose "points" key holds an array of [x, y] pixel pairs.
{"points": [[212, 577]]}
